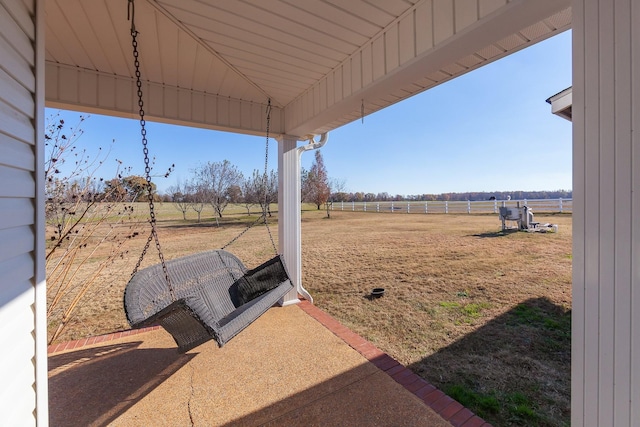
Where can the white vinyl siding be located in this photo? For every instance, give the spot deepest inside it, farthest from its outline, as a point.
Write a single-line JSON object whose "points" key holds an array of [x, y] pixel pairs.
{"points": [[19, 258], [606, 197]]}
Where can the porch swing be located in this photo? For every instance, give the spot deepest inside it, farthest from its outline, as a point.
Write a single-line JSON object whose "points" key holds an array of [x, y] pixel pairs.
{"points": [[207, 295]]}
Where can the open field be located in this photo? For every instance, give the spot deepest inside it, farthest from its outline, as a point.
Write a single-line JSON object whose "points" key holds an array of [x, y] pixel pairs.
{"points": [[483, 315]]}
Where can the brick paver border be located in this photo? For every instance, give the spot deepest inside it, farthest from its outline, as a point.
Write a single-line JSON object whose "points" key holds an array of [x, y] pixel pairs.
{"points": [[72, 345]]}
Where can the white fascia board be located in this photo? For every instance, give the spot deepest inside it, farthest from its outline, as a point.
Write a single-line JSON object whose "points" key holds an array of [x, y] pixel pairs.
{"points": [[500, 24], [561, 103]]}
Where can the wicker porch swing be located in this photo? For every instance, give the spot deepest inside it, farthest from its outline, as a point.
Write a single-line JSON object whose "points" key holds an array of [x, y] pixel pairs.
{"points": [[205, 295]]}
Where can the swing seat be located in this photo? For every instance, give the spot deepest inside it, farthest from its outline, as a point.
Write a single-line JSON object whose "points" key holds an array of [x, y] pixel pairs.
{"points": [[214, 296]]}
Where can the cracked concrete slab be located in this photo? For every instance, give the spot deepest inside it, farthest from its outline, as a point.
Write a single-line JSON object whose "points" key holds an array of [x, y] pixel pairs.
{"points": [[285, 369]]}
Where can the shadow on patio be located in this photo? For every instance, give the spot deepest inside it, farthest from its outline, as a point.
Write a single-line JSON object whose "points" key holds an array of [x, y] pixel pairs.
{"points": [[286, 369], [94, 386], [514, 370]]}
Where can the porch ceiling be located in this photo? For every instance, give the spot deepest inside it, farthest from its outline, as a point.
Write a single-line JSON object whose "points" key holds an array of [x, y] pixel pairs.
{"points": [[215, 63]]}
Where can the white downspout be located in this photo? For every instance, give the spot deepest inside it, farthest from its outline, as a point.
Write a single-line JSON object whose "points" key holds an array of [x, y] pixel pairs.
{"points": [[311, 145]]}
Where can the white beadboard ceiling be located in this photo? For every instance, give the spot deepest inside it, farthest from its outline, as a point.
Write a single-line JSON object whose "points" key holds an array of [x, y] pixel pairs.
{"points": [[215, 63]]}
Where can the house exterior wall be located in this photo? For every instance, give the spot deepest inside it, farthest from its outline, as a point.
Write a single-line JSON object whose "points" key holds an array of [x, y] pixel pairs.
{"points": [[606, 200], [22, 287]]}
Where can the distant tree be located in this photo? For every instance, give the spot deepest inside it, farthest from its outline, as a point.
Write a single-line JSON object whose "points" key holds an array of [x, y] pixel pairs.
{"points": [[316, 182], [197, 198], [132, 188], [270, 195], [255, 192], [336, 188], [383, 197], [180, 198], [340, 196], [235, 193], [215, 181], [357, 197], [114, 190], [305, 185], [137, 188], [249, 198]]}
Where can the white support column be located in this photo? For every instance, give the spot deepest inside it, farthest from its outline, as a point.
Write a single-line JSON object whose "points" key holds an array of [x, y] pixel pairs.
{"points": [[605, 372], [289, 232], [289, 203]]}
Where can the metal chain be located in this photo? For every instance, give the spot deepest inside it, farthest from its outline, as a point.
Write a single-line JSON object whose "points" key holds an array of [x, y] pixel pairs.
{"points": [[263, 217], [147, 168], [265, 180]]}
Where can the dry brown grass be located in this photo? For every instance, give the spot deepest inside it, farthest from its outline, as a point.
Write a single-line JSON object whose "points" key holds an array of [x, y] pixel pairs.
{"points": [[481, 314]]}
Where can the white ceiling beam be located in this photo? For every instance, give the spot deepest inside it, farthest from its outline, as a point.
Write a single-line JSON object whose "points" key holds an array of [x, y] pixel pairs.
{"points": [[90, 91]]}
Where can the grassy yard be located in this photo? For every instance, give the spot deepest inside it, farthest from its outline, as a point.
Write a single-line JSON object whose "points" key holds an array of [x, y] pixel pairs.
{"points": [[481, 314]]}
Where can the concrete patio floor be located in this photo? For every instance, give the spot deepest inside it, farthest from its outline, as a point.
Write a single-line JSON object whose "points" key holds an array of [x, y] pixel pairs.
{"points": [[295, 366]]}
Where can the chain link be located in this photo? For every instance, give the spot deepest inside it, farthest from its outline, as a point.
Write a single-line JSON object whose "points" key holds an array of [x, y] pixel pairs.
{"points": [[153, 236], [265, 181]]}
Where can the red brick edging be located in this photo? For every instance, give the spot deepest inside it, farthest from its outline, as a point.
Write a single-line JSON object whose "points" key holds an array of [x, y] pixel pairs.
{"points": [[449, 409], [71, 345]]}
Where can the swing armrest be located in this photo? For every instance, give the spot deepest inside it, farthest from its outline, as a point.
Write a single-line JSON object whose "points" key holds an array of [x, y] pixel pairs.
{"points": [[243, 316], [258, 281]]}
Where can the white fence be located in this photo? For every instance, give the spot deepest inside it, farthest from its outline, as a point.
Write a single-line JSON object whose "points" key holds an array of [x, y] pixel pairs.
{"points": [[481, 206]]}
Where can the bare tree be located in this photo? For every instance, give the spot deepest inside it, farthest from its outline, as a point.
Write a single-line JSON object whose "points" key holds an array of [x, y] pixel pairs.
{"points": [[180, 198], [196, 198], [234, 193], [336, 190], [315, 183], [263, 190], [82, 217], [217, 180], [249, 198]]}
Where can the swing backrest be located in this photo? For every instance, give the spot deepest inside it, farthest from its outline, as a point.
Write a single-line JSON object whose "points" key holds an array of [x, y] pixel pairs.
{"points": [[204, 280]]}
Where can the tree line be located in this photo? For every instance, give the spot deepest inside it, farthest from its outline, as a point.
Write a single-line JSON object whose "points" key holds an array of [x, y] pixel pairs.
{"points": [[467, 196]]}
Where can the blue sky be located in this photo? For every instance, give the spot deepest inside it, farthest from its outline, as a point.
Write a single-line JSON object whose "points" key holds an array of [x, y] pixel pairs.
{"points": [[489, 130]]}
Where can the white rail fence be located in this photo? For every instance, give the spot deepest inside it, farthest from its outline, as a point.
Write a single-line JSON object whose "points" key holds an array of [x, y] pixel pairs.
{"points": [[481, 206]]}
